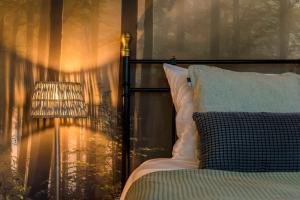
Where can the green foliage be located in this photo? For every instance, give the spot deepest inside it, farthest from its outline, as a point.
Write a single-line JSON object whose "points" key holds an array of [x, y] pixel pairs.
{"points": [[11, 182]]}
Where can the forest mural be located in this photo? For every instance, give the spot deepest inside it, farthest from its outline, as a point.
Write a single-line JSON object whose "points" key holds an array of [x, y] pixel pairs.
{"points": [[203, 29], [67, 40], [79, 40], [219, 28]]}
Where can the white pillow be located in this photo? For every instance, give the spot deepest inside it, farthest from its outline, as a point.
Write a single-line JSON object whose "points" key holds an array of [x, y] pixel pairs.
{"points": [[185, 147], [216, 89]]}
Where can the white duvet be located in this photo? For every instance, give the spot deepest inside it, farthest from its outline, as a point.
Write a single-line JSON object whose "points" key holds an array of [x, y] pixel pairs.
{"points": [[159, 164]]}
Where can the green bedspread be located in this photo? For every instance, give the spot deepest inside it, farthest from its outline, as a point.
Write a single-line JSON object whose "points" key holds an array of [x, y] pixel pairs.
{"points": [[192, 184]]}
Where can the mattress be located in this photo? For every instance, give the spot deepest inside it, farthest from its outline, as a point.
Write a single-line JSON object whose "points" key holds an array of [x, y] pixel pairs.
{"points": [[206, 184], [155, 165]]}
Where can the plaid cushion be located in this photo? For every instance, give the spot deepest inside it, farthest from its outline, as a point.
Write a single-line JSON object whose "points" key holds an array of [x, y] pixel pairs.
{"points": [[250, 142]]}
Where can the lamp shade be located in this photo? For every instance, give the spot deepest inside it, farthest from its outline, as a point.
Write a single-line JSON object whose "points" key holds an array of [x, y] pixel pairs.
{"points": [[58, 100]]}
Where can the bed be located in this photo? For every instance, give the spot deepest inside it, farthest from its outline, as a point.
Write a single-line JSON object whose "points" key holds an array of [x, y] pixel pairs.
{"points": [[156, 165], [258, 168]]}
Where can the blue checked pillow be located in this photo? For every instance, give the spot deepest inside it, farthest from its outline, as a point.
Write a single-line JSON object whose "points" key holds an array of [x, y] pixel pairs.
{"points": [[249, 142]]}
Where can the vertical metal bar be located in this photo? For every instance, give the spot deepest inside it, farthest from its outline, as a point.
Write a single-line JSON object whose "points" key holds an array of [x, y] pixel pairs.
{"points": [[126, 119], [126, 37], [174, 136], [57, 159]]}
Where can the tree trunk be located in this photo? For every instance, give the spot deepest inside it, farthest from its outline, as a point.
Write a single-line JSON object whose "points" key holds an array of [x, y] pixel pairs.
{"points": [[40, 162], [236, 29], [28, 81], [41, 150], [180, 32], [142, 108], [13, 65], [92, 43], [94, 32], [150, 107], [215, 29], [283, 30], [2, 76], [43, 33], [148, 29], [56, 15]]}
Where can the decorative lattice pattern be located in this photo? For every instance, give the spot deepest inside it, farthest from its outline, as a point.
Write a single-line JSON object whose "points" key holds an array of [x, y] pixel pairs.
{"points": [[249, 141], [58, 100]]}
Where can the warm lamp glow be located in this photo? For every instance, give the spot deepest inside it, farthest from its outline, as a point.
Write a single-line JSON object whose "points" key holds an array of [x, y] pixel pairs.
{"points": [[58, 100]]}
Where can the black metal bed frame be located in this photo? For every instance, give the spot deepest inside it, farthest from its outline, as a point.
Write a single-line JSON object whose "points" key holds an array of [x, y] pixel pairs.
{"points": [[127, 90]]}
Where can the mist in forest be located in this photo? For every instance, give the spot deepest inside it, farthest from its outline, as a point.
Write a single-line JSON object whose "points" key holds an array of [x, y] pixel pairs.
{"points": [[55, 40], [203, 29], [224, 29], [79, 40]]}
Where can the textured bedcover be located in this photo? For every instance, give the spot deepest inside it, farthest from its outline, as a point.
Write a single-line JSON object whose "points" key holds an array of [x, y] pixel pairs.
{"points": [[192, 184]]}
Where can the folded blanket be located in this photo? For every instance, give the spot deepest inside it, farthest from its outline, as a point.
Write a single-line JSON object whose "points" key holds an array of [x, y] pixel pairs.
{"points": [[204, 184]]}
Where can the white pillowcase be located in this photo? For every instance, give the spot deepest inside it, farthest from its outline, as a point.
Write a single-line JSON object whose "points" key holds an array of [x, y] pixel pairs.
{"points": [[185, 147], [216, 89]]}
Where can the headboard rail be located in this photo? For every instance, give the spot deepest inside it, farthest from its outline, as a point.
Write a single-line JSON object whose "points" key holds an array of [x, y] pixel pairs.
{"points": [[127, 90], [219, 61]]}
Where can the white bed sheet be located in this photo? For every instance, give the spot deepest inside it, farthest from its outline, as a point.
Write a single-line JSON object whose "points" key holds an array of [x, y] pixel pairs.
{"points": [[153, 165]]}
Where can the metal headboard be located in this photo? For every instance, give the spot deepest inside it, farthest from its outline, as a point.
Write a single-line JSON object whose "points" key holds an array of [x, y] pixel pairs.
{"points": [[127, 90]]}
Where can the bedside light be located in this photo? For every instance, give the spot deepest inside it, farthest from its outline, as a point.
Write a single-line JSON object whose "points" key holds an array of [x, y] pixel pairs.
{"points": [[58, 100]]}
